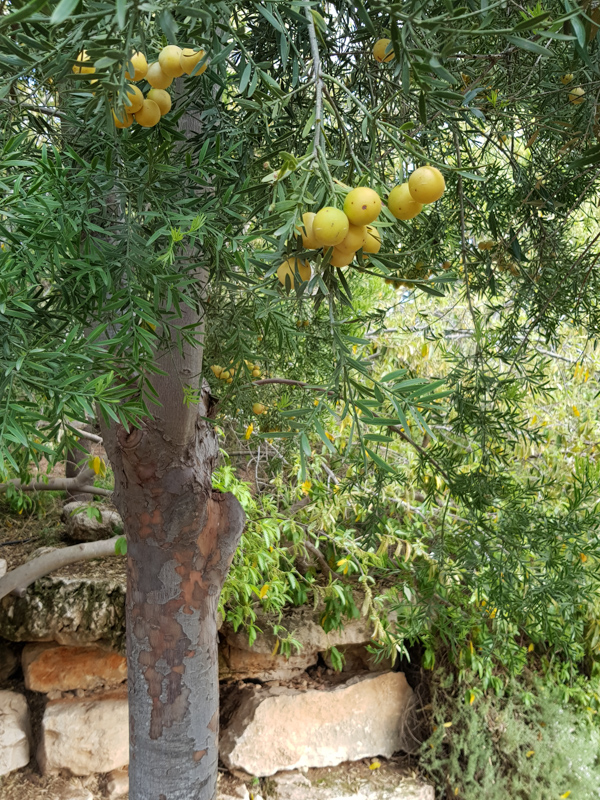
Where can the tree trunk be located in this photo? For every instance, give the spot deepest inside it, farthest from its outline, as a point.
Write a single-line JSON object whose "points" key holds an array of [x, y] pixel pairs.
{"points": [[181, 539]]}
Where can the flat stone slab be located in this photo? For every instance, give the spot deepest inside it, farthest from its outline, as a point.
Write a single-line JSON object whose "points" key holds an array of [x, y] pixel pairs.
{"points": [[15, 732], [278, 728], [51, 667], [85, 735]]}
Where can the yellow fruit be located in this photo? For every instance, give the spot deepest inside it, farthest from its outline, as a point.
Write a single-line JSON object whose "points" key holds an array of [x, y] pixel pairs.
{"points": [[78, 69], [217, 370], [330, 226], [169, 59], [379, 50], [289, 267], [446, 265], [157, 78], [161, 98], [362, 205], [140, 67], [148, 115], [372, 241], [355, 238], [258, 409], [229, 380], [567, 78], [124, 120], [189, 58], [135, 99], [576, 95], [256, 373], [309, 241], [485, 245], [224, 376], [401, 203], [426, 185], [339, 258]]}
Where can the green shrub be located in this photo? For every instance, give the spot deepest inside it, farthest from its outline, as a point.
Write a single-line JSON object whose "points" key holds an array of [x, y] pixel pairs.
{"points": [[526, 745]]}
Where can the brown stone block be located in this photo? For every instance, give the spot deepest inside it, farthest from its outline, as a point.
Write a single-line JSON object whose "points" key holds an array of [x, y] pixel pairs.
{"points": [[52, 667]]}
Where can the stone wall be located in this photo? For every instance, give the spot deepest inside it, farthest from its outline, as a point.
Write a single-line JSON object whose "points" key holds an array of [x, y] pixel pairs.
{"points": [[63, 640]]}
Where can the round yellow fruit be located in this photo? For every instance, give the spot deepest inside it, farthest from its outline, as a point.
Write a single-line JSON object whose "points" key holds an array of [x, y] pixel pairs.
{"points": [[379, 51], [78, 69], [567, 78], [134, 99], [224, 376], [140, 67], [162, 100], [330, 226], [256, 373], [426, 185], [258, 409], [189, 58], [339, 258], [148, 115], [372, 241], [576, 95], [309, 241], [362, 205], [355, 238], [123, 120], [401, 203], [169, 59], [157, 78], [217, 370], [289, 267]]}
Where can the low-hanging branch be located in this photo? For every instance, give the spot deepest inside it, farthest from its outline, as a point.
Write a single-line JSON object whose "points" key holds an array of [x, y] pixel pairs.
{"points": [[80, 483], [23, 576]]}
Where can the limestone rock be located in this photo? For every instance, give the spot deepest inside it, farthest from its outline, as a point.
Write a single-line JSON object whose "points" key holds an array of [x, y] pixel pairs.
{"points": [[85, 528], [117, 784], [280, 729], [85, 736], [15, 732], [236, 663], [335, 786], [8, 662], [50, 667], [70, 611]]}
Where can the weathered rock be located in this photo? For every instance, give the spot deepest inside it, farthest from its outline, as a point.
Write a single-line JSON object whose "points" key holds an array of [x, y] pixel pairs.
{"points": [[278, 728], [102, 524], [8, 662], [239, 660], [70, 611], [117, 784], [50, 667], [3, 567], [85, 735], [15, 732]]}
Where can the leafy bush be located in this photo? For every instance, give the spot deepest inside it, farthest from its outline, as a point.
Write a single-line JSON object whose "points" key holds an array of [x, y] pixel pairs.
{"points": [[525, 745]]}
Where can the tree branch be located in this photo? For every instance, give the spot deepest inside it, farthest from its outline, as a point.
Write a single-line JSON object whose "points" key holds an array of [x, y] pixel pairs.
{"points": [[23, 576], [318, 76], [80, 483]]}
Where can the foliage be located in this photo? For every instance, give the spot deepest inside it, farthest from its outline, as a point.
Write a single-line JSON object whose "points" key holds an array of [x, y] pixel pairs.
{"points": [[525, 744]]}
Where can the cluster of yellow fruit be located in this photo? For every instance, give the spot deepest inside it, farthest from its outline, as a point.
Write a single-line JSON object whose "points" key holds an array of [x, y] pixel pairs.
{"points": [[172, 62], [226, 374], [350, 230]]}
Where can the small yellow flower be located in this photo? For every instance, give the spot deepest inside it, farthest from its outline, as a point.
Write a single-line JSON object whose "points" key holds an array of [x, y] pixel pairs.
{"points": [[576, 411], [529, 753], [374, 765], [306, 487], [249, 430]]}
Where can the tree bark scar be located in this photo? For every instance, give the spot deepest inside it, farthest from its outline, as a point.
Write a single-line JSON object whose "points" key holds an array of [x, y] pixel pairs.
{"points": [[199, 755]]}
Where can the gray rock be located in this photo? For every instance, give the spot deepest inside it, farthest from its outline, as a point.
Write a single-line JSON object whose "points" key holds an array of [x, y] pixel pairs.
{"points": [[85, 528], [281, 729], [71, 611], [15, 732]]}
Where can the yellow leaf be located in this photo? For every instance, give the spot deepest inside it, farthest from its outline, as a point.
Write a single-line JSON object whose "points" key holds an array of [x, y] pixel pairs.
{"points": [[583, 557], [425, 350], [529, 753], [97, 464], [374, 765], [275, 649], [471, 648], [576, 411], [447, 724], [316, 403], [306, 487], [342, 561], [565, 795], [530, 648], [263, 591], [456, 791], [249, 430], [329, 436], [471, 698], [493, 613], [534, 419]]}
